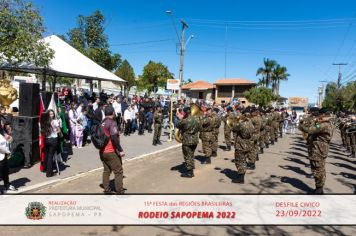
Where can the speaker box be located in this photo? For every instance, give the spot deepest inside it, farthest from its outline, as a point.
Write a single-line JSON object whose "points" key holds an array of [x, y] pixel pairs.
{"points": [[29, 150], [46, 98], [29, 101], [25, 128]]}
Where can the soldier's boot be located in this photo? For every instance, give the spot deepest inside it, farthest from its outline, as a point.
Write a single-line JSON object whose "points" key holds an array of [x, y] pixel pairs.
{"points": [[353, 155], [240, 179], [348, 149], [154, 143], [207, 160], [188, 174], [272, 142], [251, 166], [257, 157], [214, 154], [159, 142], [319, 190], [228, 148], [267, 145], [276, 140], [261, 150]]}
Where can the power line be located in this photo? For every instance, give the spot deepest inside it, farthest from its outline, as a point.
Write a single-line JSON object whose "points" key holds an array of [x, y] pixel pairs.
{"points": [[142, 42]]}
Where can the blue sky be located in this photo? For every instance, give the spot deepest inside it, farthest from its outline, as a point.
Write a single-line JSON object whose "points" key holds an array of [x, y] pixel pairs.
{"points": [[306, 36]]}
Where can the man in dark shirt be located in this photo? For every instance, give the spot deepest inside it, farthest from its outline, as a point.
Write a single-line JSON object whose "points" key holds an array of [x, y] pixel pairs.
{"points": [[111, 155]]}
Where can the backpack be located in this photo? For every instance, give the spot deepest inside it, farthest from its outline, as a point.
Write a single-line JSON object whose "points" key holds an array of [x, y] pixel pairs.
{"points": [[98, 136]]}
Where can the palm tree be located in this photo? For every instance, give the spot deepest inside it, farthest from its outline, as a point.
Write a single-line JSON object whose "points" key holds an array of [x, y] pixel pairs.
{"points": [[279, 74], [267, 71]]}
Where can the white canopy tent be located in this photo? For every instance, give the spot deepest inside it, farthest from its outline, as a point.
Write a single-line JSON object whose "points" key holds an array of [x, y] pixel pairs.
{"points": [[67, 62]]}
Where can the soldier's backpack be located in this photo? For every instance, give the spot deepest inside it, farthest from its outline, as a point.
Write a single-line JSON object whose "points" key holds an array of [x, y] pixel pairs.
{"points": [[98, 136]]}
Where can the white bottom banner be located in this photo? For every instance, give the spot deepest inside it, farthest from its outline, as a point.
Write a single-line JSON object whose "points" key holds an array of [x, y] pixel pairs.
{"points": [[178, 210]]}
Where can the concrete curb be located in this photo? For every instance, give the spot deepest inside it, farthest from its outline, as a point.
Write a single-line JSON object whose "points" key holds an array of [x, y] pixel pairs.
{"points": [[56, 182]]}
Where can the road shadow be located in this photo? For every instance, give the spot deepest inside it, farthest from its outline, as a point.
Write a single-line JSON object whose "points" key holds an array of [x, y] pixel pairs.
{"points": [[296, 183], [200, 158], [297, 161], [299, 149], [297, 170], [343, 159], [181, 168], [297, 154], [231, 174], [347, 175], [222, 147], [342, 165]]}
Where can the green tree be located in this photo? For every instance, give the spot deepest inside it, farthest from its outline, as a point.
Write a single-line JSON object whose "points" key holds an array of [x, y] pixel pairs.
{"points": [[279, 74], [260, 95], [188, 81], [90, 39], [154, 75], [126, 72], [21, 29], [266, 71], [340, 99]]}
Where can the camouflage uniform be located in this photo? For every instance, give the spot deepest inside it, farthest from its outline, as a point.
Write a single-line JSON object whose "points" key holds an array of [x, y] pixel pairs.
{"points": [[257, 123], [282, 117], [243, 144], [227, 129], [158, 118], [275, 124], [217, 123], [262, 132], [269, 135], [318, 141], [189, 128], [206, 135]]}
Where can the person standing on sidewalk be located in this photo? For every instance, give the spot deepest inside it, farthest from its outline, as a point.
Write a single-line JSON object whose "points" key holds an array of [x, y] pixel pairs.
{"points": [[111, 155], [158, 118], [189, 127]]}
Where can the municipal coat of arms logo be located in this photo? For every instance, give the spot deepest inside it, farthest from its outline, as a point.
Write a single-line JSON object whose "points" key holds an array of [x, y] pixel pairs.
{"points": [[35, 211]]}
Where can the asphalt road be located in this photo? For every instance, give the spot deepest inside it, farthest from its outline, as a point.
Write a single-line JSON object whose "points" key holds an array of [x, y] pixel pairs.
{"points": [[283, 168]]}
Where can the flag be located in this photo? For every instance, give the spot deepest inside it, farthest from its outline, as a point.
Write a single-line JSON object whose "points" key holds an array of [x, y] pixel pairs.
{"points": [[64, 124], [41, 137], [52, 106]]}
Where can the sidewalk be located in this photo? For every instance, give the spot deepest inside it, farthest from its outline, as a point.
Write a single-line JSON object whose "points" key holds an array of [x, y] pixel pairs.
{"points": [[87, 159]]}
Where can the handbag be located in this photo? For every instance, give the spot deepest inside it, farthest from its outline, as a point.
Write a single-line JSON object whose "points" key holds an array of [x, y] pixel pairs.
{"points": [[4, 147]]}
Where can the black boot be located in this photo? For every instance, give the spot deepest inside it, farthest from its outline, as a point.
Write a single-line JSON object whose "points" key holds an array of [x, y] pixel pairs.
{"points": [[272, 142], [154, 143], [214, 154], [276, 140], [159, 142], [207, 160], [261, 150], [319, 190], [188, 174], [353, 155], [228, 148], [240, 179], [251, 166], [257, 158]]}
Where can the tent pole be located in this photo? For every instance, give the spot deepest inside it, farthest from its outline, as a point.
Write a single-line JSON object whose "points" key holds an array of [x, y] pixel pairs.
{"points": [[99, 86], [54, 83], [44, 81], [91, 86]]}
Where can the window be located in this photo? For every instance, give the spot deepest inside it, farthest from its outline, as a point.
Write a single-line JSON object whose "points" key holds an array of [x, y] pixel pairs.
{"points": [[224, 91], [201, 95]]}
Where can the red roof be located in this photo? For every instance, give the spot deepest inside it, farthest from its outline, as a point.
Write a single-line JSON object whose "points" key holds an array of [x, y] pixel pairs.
{"points": [[234, 82], [200, 84]]}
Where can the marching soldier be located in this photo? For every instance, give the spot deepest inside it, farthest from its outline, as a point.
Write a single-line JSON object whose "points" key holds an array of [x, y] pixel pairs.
{"points": [[243, 144], [269, 138], [158, 119], [257, 123], [206, 135], [262, 131], [319, 137], [216, 123], [189, 127], [227, 129], [275, 124], [282, 117]]}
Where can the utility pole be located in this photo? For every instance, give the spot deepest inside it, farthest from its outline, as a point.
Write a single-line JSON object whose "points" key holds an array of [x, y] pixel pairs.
{"points": [[340, 74], [182, 49]]}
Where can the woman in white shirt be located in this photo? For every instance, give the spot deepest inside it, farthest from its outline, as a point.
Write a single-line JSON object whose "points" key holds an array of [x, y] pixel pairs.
{"points": [[127, 118], [73, 116], [50, 127]]}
